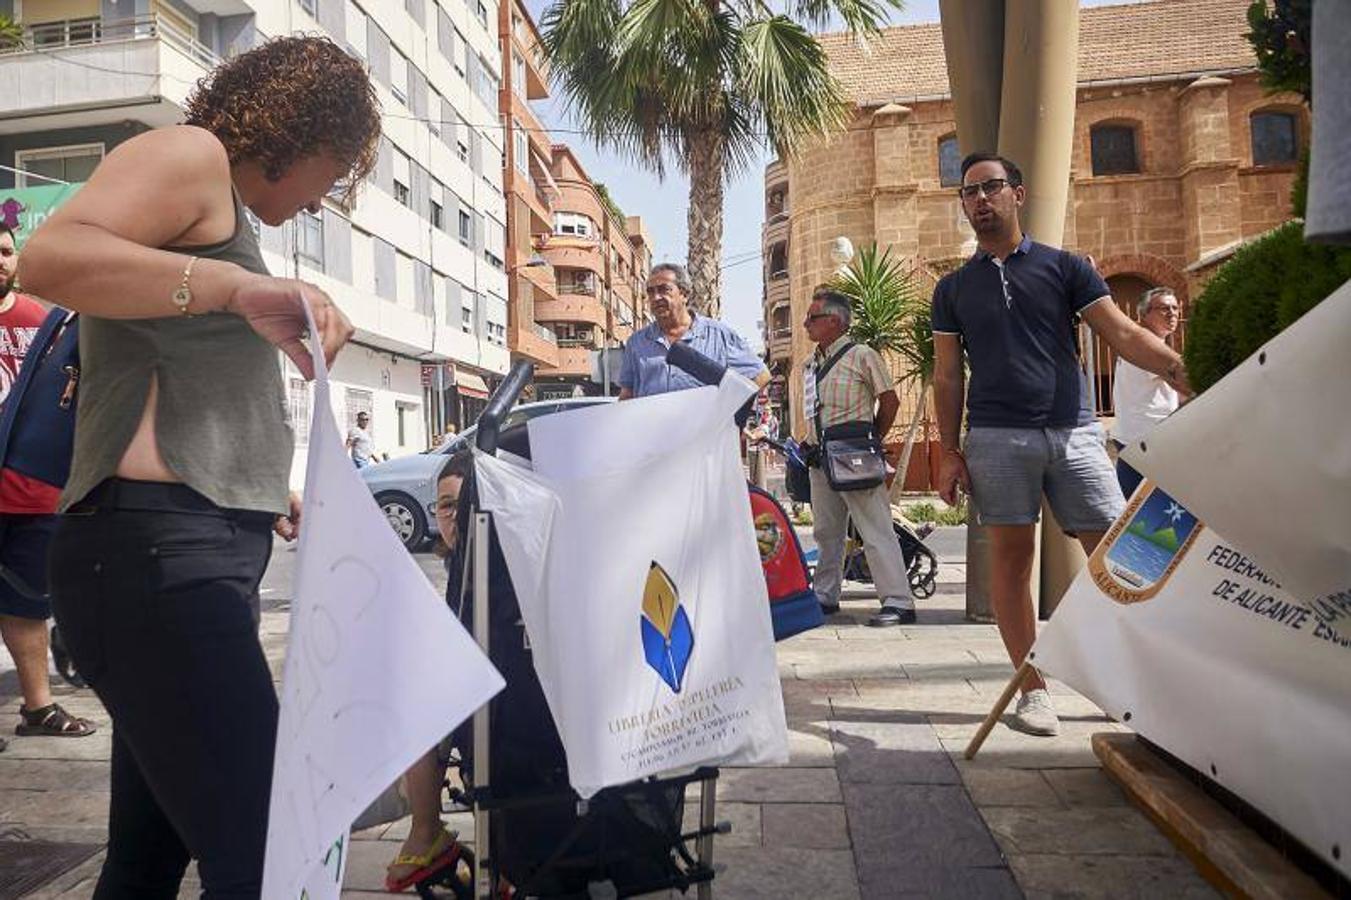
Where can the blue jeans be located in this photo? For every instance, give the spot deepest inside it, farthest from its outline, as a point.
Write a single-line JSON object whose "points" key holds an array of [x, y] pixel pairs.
{"points": [[155, 590]]}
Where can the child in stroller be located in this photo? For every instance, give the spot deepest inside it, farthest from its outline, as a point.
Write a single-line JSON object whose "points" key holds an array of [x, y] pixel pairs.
{"points": [[544, 842]]}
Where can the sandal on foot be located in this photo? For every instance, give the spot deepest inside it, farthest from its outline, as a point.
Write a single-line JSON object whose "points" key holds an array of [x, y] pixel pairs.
{"points": [[443, 853], [52, 721]]}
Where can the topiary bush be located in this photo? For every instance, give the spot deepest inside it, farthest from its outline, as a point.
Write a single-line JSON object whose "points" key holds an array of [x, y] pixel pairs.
{"points": [[1264, 287]]}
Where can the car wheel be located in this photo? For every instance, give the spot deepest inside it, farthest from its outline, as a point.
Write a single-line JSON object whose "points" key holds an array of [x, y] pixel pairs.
{"points": [[405, 516]]}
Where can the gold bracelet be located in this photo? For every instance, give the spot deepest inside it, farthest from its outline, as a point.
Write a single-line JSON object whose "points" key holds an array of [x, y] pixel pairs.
{"points": [[183, 296]]}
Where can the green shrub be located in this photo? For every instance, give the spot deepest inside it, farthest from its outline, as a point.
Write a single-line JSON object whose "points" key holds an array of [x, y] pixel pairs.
{"points": [[1267, 285]]}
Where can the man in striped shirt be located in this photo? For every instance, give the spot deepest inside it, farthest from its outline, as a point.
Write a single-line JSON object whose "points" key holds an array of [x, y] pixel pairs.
{"points": [[856, 387]]}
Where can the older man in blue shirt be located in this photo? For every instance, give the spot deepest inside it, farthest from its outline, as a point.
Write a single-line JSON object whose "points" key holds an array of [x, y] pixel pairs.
{"points": [[645, 371]]}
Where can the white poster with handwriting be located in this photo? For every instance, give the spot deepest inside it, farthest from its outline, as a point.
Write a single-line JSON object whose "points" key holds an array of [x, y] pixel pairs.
{"points": [[633, 555], [377, 671]]}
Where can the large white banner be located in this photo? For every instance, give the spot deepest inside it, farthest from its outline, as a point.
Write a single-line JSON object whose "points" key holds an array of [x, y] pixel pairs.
{"points": [[633, 554], [1265, 456], [377, 670], [1230, 645]]}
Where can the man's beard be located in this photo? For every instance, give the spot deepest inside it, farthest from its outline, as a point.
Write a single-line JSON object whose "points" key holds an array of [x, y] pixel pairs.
{"points": [[6, 285]]}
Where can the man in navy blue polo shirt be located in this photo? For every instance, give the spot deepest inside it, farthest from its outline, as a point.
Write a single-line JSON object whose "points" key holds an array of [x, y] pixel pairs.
{"points": [[644, 371], [1012, 308]]}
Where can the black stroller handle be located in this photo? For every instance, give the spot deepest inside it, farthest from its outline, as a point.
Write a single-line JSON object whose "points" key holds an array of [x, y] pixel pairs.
{"points": [[685, 357], [500, 403], [706, 371]]}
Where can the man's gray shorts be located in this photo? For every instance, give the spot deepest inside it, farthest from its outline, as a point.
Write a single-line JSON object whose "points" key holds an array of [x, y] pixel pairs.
{"points": [[1011, 467]]}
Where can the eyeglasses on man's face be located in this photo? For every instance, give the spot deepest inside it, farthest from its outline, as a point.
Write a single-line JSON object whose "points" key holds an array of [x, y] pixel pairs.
{"points": [[989, 187], [812, 317], [665, 289]]}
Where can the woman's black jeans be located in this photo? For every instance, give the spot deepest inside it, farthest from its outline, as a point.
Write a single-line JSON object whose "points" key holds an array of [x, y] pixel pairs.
{"points": [[155, 590]]}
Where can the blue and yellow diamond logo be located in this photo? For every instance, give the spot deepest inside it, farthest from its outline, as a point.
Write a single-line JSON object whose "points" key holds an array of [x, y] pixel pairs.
{"points": [[668, 638]]}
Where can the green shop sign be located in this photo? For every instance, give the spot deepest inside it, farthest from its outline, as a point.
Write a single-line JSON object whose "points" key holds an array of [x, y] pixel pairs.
{"points": [[24, 209]]}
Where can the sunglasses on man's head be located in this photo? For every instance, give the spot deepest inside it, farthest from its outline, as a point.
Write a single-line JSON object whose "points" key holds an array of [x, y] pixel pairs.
{"points": [[989, 187]]}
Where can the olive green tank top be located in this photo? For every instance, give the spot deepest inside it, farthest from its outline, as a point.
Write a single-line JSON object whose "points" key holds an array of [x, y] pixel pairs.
{"points": [[221, 420]]}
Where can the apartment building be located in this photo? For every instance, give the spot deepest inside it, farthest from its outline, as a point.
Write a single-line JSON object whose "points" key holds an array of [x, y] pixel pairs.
{"points": [[576, 266], [1180, 156], [418, 262], [600, 260], [529, 187]]}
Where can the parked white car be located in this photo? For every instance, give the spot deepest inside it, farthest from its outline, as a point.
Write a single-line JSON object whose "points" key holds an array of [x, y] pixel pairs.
{"points": [[405, 487]]}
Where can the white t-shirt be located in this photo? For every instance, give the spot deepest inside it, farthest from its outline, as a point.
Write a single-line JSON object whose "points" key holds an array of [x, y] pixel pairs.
{"points": [[1141, 399]]}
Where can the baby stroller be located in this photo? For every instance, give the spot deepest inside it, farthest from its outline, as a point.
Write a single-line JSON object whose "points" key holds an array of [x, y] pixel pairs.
{"points": [[533, 836], [920, 562]]}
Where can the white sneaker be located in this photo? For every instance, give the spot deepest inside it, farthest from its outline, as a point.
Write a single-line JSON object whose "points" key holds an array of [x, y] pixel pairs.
{"points": [[1035, 715]]}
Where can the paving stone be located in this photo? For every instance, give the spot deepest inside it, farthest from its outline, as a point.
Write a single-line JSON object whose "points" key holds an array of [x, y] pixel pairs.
{"points": [[29, 809], [97, 746], [1009, 787], [1046, 876], [745, 819], [995, 883], [52, 775], [773, 873], [1085, 787], [1109, 831], [899, 828], [839, 664], [781, 785], [366, 862], [809, 745], [820, 826], [1006, 748], [898, 752]]}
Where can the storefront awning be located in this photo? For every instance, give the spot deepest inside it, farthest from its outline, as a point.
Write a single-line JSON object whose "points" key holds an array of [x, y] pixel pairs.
{"points": [[471, 385]]}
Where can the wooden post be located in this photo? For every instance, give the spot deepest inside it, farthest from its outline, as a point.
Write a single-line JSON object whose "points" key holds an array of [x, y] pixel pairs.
{"points": [[998, 710]]}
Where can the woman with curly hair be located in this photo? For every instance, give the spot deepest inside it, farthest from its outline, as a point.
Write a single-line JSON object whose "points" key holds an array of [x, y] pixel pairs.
{"points": [[182, 448]]}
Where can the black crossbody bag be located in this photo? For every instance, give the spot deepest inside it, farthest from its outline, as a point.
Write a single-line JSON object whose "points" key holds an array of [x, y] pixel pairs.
{"points": [[850, 453]]}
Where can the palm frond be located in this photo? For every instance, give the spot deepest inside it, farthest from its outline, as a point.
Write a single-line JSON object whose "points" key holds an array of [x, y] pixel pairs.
{"points": [[864, 17], [784, 74], [890, 314]]}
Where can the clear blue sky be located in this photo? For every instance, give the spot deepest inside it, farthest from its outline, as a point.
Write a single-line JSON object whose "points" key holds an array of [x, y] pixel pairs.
{"points": [[662, 204]]}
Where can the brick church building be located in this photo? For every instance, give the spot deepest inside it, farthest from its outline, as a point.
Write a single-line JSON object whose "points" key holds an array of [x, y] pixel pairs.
{"points": [[1180, 156]]}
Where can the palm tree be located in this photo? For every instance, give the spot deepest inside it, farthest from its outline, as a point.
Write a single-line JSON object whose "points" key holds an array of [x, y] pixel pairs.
{"points": [[704, 82], [892, 317]]}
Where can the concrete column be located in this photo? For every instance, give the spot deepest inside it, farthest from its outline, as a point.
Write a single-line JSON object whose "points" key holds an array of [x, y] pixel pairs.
{"points": [[1036, 130], [1025, 53], [973, 43], [1036, 112]]}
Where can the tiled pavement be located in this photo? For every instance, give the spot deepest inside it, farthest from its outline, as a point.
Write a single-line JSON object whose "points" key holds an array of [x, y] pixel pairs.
{"points": [[875, 802]]}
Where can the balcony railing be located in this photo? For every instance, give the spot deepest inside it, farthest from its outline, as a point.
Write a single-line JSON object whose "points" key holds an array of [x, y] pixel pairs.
{"points": [[585, 290], [585, 342], [778, 274], [779, 334], [544, 333], [776, 216], [83, 32]]}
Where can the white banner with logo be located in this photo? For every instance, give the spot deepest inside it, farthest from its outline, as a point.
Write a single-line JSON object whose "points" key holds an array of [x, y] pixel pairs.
{"points": [[377, 671], [633, 555], [1228, 641]]}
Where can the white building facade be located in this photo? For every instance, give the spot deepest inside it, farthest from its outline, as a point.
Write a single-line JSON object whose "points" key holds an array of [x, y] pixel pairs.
{"points": [[417, 263]]}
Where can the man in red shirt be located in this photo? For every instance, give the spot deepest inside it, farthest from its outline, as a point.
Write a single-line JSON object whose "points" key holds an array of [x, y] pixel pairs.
{"points": [[27, 518]]}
